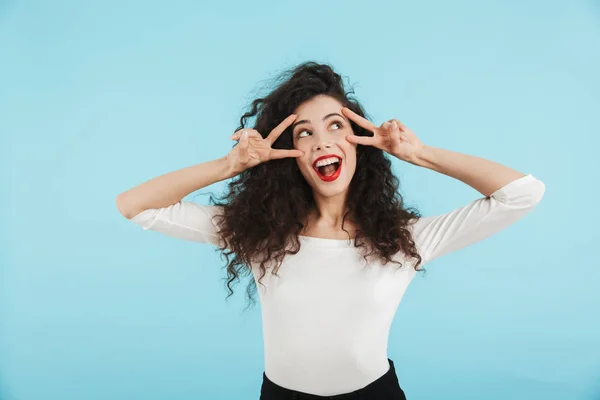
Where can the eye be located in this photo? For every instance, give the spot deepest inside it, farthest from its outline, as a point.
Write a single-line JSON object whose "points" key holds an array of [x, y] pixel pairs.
{"points": [[340, 125]]}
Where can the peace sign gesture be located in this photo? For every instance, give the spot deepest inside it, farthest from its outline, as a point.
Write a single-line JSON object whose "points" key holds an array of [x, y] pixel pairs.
{"points": [[252, 149], [392, 137]]}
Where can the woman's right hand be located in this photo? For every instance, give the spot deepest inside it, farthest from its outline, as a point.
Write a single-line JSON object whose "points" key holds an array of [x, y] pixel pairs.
{"points": [[252, 149]]}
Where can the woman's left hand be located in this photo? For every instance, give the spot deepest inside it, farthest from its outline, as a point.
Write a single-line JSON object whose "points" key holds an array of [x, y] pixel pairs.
{"points": [[392, 137]]}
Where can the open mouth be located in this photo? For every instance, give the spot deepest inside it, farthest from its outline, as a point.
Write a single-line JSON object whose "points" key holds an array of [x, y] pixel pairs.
{"points": [[328, 168]]}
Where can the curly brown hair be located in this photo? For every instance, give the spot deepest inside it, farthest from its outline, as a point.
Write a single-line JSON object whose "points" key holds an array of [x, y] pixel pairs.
{"points": [[265, 206]]}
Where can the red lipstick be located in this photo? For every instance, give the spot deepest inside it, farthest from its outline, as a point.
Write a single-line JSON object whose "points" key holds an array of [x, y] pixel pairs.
{"points": [[335, 175]]}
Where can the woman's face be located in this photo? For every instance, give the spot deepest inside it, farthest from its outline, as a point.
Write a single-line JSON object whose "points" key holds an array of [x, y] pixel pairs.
{"points": [[320, 130]]}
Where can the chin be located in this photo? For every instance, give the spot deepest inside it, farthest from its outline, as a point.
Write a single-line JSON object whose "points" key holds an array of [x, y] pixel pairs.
{"points": [[330, 189]]}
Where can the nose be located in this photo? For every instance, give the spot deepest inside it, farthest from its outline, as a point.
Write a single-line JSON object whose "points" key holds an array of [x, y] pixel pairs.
{"points": [[322, 143]]}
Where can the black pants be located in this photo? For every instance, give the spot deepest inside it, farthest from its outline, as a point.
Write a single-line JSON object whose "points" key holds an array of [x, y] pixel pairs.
{"points": [[384, 388]]}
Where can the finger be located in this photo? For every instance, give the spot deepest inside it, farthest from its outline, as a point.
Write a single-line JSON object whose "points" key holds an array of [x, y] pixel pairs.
{"points": [[401, 130], [251, 134], [363, 122], [364, 140], [401, 126], [394, 130], [243, 152], [236, 134], [386, 126], [278, 130], [276, 154]]}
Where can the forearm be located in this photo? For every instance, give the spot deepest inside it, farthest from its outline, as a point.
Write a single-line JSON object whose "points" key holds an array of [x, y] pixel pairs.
{"points": [[168, 189], [483, 175]]}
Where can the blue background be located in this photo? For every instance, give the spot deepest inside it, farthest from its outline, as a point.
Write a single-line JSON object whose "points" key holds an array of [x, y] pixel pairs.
{"points": [[97, 97]]}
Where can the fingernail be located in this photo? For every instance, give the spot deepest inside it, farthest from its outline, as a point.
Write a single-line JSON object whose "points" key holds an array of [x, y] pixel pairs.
{"points": [[245, 135]]}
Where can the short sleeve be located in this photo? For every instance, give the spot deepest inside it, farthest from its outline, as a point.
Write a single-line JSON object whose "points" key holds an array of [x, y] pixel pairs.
{"points": [[183, 220], [441, 234]]}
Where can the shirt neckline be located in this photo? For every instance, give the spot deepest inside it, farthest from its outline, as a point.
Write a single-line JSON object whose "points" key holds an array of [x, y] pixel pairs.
{"points": [[323, 242]]}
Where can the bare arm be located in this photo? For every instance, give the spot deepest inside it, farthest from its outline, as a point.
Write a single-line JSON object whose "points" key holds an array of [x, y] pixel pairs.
{"points": [[169, 188], [483, 175], [395, 138]]}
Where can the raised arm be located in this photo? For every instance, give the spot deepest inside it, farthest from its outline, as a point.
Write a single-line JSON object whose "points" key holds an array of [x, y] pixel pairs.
{"points": [[483, 175], [441, 234], [170, 188], [509, 194], [156, 204]]}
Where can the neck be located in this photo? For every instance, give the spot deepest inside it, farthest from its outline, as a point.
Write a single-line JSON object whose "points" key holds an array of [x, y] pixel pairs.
{"points": [[329, 211]]}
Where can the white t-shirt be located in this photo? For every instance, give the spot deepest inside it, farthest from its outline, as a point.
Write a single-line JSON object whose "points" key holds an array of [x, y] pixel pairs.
{"points": [[326, 316]]}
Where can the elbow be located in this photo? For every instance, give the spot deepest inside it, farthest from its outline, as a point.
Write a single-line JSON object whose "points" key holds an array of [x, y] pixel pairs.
{"points": [[124, 208], [533, 197], [538, 192], [527, 195]]}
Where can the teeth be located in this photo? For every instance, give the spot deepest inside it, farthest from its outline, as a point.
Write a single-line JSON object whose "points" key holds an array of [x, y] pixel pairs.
{"points": [[327, 161]]}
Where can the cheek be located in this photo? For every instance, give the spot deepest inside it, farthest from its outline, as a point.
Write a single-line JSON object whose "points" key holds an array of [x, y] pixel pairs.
{"points": [[349, 149], [351, 164], [301, 145], [351, 159], [303, 163]]}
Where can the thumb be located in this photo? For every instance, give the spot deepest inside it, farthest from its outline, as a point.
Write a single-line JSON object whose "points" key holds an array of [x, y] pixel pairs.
{"points": [[394, 130]]}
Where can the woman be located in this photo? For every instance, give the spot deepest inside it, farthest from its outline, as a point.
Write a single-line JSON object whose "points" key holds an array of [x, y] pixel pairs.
{"points": [[314, 213]]}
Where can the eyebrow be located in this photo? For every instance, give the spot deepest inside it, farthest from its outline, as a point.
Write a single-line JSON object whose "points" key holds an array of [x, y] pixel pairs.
{"points": [[324, 118]]}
